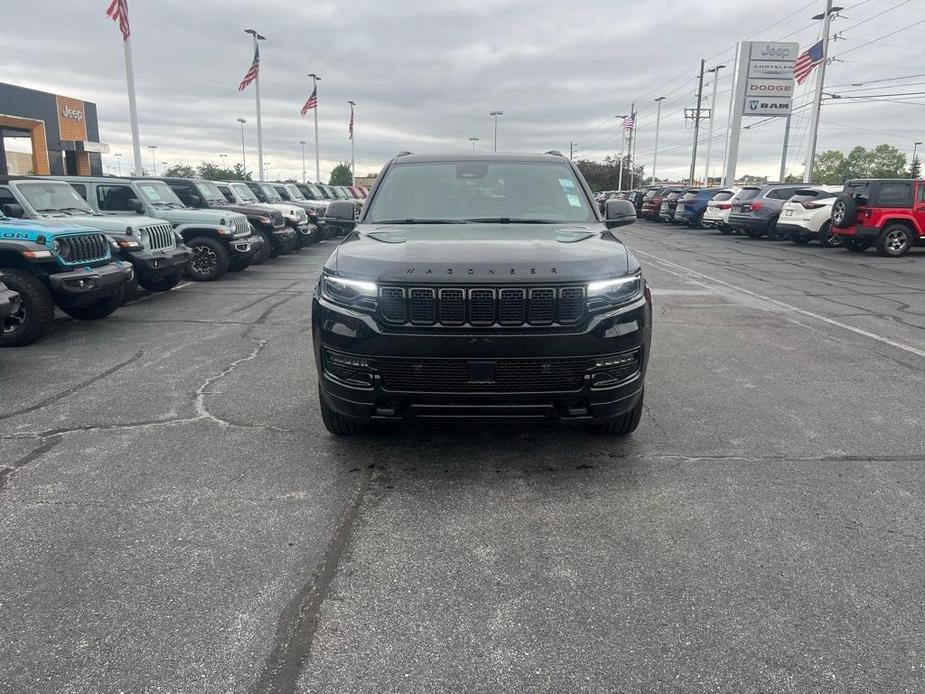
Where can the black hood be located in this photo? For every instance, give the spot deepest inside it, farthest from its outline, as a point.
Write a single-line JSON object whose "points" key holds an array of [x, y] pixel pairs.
{"points": [[496, 253]]}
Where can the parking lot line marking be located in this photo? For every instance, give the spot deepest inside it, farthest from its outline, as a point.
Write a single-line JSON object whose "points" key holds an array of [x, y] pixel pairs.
{"points": [[803, 312]]}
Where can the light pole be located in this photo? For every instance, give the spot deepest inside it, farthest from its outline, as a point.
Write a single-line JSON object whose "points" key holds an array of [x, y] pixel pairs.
{"points": [[223, 158], [315, 80], [622, 146], [473, 140], [658, 120], [266, 171], [243, 155], [915, 149], [826, 18], [302, 143], [153, 149], [495, 115], [353, 163], [706, 168], [118, 157], [258, 37]]}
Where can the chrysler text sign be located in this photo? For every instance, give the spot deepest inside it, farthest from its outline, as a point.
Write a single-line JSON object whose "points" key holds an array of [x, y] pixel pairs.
{"points": [[768, 84]]}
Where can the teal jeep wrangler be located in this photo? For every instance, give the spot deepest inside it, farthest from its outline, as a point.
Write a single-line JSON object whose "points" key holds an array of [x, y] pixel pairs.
{"points": [[66, 266]]}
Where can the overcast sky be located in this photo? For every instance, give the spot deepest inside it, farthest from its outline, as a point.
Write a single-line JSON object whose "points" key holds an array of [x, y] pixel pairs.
{"points": [[426, 75]]}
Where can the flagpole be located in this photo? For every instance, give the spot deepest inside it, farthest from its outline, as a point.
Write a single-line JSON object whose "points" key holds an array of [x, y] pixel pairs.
{"points": [[315, 79], [258, 37], [132, 107], [817, 100], [353, 162]]}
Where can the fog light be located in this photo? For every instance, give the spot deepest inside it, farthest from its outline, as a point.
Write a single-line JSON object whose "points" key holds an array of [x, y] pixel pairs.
{"points": [[619, 361], [347, 360]]}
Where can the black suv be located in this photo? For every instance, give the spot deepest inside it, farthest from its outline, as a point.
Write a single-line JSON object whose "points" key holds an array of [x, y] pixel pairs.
{"points": [[481, 285]]}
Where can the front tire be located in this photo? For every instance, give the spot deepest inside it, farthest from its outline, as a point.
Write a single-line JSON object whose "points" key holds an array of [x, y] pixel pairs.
{"points": [[99, 309], [335, 422], [159, 284], [209, 260], [894, 241], [36, 312], [625, 424], [264, 251]]}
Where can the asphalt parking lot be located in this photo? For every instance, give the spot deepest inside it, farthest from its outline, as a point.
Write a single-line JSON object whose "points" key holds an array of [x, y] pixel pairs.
{"points": [[174, 517]]}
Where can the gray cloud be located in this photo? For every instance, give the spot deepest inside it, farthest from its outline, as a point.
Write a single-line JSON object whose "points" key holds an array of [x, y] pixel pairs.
{"points": [[426, 76]]}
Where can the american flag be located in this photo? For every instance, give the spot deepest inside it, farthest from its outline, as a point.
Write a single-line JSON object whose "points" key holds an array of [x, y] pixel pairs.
{"points": [[118, 12], [807, 61], [350, 128], [629, 122], [252, 72], [312, 102]]}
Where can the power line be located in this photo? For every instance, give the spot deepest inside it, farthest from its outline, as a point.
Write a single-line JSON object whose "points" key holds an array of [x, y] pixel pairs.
{"points": [[880, 38]]}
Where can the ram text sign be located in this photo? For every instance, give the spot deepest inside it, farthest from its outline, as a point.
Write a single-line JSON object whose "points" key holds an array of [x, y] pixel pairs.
{"points": [[768, 84]]}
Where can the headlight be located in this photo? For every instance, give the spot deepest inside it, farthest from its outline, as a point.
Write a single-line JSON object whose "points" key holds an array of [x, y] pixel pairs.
{"points": [[349, 293], [143, 237], [225, 231], [264, 220], [617, 291]]}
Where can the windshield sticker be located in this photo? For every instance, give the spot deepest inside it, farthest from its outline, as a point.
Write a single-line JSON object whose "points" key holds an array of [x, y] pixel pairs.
{"points": [[574, 200], [151, 193], [566, 183]]}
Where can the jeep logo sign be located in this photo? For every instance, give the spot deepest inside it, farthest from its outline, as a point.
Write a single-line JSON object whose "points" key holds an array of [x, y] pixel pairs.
{"points": [[775, 50], [72, 113]]}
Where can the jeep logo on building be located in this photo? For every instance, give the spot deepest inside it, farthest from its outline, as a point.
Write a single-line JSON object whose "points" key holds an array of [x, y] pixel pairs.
{"points": [[779, 52], [72, 113]]}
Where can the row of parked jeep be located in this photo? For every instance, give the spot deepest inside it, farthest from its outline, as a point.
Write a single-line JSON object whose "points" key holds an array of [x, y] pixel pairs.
{"points": [[85, 244], [886, 214]]}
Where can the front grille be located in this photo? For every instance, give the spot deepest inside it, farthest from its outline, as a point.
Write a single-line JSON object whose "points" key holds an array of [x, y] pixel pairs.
{"points": [[551, 374], [82, 248], [240, 226], [278, 220], [482, 306], [159, 236]]}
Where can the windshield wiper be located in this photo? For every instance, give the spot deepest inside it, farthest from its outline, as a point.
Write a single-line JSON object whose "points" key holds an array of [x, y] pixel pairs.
{"points": [[422, 221], [510, 220], [44, 210]]}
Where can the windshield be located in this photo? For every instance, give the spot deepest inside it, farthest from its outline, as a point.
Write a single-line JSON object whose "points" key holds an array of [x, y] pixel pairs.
{"points": [[159, 193], [270, 192], [723, 195], [53, 196], [481, 191], [210, 192], [748, 194], [244, 192], [335, 193], [313, 192], [294, 191]]}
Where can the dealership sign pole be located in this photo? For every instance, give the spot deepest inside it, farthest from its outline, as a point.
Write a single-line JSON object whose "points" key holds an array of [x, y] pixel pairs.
{"points": [[118, 12], [817, 100], [763, 87]]}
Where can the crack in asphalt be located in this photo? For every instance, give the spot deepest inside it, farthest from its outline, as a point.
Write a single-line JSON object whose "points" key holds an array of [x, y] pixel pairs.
{"points": [[295, 630], [73, 389]]}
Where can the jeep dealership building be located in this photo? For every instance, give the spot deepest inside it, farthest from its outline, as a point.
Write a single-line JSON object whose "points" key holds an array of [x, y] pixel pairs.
{"points": [[45, 133]]}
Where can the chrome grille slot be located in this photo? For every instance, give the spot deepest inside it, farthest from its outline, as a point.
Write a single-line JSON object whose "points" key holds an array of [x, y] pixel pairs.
{"points": [[392, 304], [571, 304], [542, 309], [452, 306], [482, 306], [83, 248], [512, 304], [421, 302], [159, 236]]}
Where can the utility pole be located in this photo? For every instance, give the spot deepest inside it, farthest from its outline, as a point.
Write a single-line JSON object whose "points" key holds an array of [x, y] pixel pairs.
{"points": [[243, 154], [658, 120], [706, 168], [826, 18], [697, 120], [495, 114], [315, 80], [153, 149], [783, 156], [473, 140], [118, 157], [258, 37], [302, 142], [622, 150], [572, 146], [629, 147], [912, 172]]}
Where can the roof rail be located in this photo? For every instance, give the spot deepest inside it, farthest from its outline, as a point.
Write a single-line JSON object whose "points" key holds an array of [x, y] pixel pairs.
{"points": [[555, 153]]}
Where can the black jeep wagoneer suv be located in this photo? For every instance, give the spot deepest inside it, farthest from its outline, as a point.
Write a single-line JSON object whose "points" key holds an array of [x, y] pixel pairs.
{"points": [[481, 285]]}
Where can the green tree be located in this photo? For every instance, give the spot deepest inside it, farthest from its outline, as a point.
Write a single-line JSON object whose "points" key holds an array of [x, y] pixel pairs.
{"points": [[915, 168], [606, 175], [886, 161], [831, 168], [179, 171], [341, 175]]}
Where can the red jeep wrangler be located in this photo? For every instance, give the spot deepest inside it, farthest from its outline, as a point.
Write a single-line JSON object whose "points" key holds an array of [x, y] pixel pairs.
{"points": [[888, 214]]}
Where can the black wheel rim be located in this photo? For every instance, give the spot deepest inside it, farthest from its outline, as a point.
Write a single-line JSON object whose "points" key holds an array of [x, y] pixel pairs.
{"points": [[16, 320], [204, 260], [838, 212]]}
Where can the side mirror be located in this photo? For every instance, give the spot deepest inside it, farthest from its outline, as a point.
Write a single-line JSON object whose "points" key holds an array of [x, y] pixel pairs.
{"points": [[619, 213], [195, 201], [342, 215], [137, 205], [13, 210]]}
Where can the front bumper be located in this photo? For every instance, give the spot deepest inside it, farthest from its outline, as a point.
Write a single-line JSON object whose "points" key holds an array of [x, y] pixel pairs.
{"points": [[283, 237], [88, 285], [160, 263], [861, 233], [247, 246], [308, 232], [623, 331]]}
